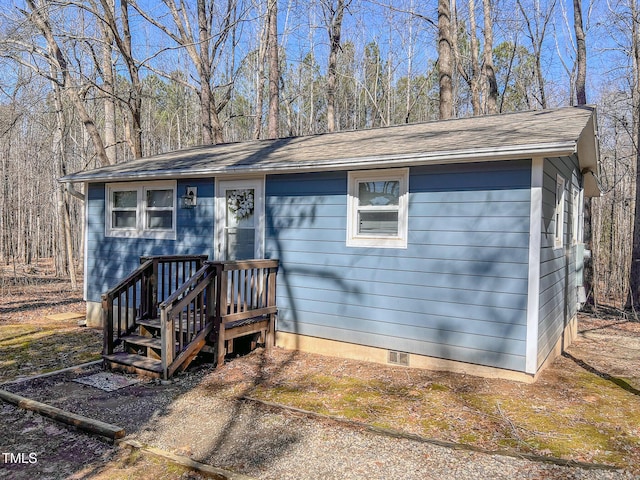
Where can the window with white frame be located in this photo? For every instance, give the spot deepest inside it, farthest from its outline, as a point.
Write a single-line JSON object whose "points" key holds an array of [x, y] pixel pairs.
{"points": [[378, 208], [575, 217], [145, 210], [558, 236]]}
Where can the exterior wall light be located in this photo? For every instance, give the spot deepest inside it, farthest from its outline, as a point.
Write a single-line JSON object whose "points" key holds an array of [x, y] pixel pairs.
{"points": [[190, 198]]}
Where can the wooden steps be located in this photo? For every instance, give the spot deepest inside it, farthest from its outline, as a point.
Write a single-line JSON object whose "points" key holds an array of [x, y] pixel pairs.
{"points": [[142, 341], [142, 353], [153, 324], [208, 308], [132, 363]]}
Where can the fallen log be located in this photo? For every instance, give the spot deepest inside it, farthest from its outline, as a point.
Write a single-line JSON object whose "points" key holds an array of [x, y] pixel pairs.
{"points": [[81, 422]]}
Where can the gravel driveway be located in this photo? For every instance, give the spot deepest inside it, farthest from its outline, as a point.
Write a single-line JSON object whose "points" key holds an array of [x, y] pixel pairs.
{"points": [[246, 437]]}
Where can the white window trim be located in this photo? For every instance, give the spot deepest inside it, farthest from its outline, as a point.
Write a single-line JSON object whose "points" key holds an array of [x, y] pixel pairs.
{"points": [[558, 214], [141, 210], [581, 216], [574, 215], [359, 240]]}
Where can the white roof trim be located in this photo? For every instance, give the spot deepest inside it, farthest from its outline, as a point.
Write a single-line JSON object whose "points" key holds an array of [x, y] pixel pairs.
{"points": [[387, 161], [524, 135]]}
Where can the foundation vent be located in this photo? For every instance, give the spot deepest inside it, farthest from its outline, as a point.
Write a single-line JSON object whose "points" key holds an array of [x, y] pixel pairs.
{"points": [[398, 358]]}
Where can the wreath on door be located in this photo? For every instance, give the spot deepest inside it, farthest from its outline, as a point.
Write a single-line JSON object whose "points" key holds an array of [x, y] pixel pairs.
{"points": [[240, 203]]}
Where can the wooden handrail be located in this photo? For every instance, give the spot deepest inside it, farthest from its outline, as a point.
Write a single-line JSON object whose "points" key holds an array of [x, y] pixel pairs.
{"points": [[137, 295], [246, 264], [140, 274], [128, 279], [189, 309], [189, 301], [171, 301], [173, 258]]}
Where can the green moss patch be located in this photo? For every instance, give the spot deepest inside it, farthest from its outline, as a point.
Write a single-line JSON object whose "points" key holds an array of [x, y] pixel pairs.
{"points": [[570, 413], [26, 350]]}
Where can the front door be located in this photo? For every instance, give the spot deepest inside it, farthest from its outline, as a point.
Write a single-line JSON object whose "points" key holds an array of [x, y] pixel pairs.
{"points": [[239, 219]]}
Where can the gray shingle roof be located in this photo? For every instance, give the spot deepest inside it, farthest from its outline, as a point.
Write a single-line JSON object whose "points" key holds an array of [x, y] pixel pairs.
{"points": [[557, 132]]}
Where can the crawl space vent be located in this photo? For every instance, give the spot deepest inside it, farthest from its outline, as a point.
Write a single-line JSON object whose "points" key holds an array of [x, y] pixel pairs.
{"points": [[399, 358]]}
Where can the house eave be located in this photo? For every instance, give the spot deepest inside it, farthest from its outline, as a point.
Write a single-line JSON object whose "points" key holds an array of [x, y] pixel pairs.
{"points": [[406, 160], [588, 151]]}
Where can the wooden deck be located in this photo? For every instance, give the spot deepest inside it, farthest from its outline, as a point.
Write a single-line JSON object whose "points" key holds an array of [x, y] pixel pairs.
{"points": [[159, 318]]}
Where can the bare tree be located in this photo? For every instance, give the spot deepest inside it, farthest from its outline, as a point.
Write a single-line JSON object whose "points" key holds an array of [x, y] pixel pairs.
{"points": [[634, 282], [445, 59], [333, 15], [38, 14], [62, 197], [488, 72], [262, 53], [274, 70], [581, 54], [109, 86], [473, 79], [537, 20], [581, 98], [123, 42], [205, 48]]}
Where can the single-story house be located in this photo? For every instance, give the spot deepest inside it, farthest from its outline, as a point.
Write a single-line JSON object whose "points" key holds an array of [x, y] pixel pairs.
{"points": [[452, 244]]}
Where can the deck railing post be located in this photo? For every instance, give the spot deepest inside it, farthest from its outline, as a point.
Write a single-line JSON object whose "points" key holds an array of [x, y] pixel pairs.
{"points": [[271, 302], [211, 295], [221, 309], [144, 303], [167, 339], [240, 295], [107, 325], [153, 290]]}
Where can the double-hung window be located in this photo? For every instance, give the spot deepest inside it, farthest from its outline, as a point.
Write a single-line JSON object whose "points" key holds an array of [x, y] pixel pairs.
{"points": [[144, 210], [378, 208], [558, 234], [577, 215]]}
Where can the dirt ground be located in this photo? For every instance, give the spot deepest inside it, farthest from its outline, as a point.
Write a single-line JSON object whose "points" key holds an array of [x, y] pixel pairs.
{"points": [[585, 407]]}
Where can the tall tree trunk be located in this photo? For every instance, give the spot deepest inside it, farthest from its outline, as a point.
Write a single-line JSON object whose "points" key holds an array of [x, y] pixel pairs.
{"points": [[110, 142], [445, 60], [487, 67], [135, 97], [581, 54], [262, 53], [62, 198], [334, 18], [581, 98], [274, 70], [204, 70], [122, 38], [39, 17], [474, 82], [634, 281]]}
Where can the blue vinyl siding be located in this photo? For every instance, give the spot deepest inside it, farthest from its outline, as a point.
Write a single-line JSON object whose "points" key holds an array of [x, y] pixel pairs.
{"points": [[558, 289], [110, 259], [459, 291]]}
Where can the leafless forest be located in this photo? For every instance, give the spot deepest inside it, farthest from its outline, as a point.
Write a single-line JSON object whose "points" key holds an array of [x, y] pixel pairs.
{"points": [[85, 83]]}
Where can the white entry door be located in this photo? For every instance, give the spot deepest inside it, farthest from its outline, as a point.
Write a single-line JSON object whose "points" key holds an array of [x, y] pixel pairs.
{"points": [[239, 219]]}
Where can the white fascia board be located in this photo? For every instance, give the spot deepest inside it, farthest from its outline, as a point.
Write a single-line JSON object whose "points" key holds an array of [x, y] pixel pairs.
{"points": [[535, 238], [387, 161]]}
